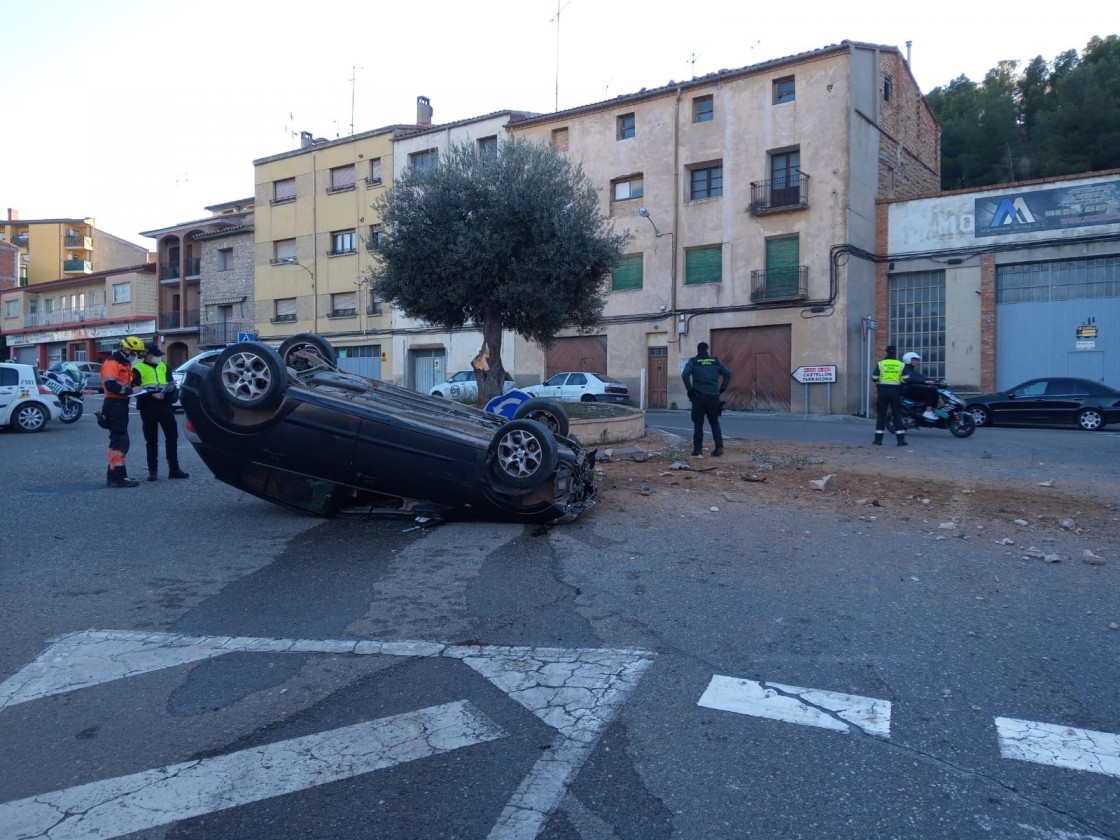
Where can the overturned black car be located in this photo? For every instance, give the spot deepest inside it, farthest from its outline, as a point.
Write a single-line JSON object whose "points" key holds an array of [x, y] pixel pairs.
{"points": [[289, 426]]}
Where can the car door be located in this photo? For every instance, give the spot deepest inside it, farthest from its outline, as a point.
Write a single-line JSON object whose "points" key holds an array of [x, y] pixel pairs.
{"points": [[9, 387], [1060, 404], [1022, 404], [553, 387], [575, 387]]}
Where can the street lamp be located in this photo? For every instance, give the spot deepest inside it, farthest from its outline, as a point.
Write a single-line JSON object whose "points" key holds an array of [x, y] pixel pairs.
{"points": [[644, 213], [314, 290]]}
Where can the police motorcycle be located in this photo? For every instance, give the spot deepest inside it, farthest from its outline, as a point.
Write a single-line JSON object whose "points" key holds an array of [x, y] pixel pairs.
{"points": [[70, 385], [950, 413]]}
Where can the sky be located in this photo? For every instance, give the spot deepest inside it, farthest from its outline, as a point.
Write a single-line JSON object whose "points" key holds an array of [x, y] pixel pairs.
{"points": [[141, 113]]}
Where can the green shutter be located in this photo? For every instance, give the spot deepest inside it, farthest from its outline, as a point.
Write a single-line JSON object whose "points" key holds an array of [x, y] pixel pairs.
{"points": [[782, 258], [627, 274], [703, 265]]}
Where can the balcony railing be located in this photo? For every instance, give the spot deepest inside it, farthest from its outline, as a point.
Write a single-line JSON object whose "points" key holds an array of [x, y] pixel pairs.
{"points": [[338, 252], [174, 321], [66, 316], [77, 241], [168, 271], [780, 284], [343, 313], [790, 193], [83, 266], [194, 268], [20, 239], [219, 335]]}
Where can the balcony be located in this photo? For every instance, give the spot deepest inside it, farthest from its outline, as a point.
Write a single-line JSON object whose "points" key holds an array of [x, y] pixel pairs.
{"points": [[780, 284], [343, 313], [66, 316], [780, 194], [194, 269], [20, 240], [174, 321], [219, 335], [78, 241], [168, 272], [77, 266], [338, 252]]}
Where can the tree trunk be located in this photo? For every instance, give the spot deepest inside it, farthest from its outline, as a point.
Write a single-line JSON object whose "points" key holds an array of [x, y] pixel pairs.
{"points": [[488, 363]]}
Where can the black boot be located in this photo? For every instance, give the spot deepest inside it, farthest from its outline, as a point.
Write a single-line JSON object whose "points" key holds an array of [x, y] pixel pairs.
{"points": [[152, 475], [175, 472]]}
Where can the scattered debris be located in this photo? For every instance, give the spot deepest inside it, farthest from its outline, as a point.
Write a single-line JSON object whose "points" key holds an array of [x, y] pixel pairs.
{"points": [[1112, 625], [948, 526], [1005, 541], [714, 509], [1067, 524], [679, 465], [752, 477], [1033, 553], [1093, 559], [868, 503], [646, 490], [737, 497], [822, 483], [1048, 483], [1022, 523]]}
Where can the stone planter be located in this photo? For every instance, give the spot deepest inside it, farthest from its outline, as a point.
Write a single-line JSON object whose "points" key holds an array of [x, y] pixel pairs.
{"points": [[598, 432]]}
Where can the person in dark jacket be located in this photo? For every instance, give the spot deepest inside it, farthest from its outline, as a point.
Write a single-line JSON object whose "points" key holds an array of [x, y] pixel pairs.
{"points": [[888, 376], [116, 379], [156, 404], [705, 378], [916, 387]]}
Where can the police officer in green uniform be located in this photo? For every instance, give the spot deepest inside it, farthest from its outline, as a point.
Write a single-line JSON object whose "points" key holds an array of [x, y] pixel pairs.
{"points": [[888, 376], [157, 411], [701, 377]]}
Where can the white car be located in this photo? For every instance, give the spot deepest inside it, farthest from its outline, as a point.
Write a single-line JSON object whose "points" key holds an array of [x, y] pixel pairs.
{"points": [[26, 403], [581, 386], [463, 387]]}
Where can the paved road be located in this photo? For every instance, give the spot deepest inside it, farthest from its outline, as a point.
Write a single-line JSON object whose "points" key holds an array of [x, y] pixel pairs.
{"points": [[182, 661]]}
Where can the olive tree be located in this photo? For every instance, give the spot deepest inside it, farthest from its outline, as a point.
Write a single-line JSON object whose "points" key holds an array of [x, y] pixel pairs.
{"points": [[506, 240]]}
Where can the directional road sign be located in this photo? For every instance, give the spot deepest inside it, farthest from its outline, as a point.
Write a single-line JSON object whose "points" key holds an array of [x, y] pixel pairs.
{"points": [[815, 373]]}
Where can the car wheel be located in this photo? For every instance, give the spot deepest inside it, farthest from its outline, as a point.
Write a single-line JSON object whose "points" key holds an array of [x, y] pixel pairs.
{"points": [[525, 454], [587, 398], [29, 418], [1090, 419], [71, 410], [962, 424], [308, 350], [548, 412], [250, 375], [980, 416], [438, 394]]}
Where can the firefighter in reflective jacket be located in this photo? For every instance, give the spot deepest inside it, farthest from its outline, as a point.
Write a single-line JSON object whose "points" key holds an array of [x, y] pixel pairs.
{"points": [[888, 376], [116, 379], [157, 411]]}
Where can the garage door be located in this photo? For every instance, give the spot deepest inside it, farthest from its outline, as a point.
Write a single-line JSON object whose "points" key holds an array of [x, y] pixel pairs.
{"points": [[583, 352], [759, 361]]}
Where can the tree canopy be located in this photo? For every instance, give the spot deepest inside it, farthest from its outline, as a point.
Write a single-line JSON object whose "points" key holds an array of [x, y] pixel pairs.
{"points": [[1052, 118], [506, 240]]}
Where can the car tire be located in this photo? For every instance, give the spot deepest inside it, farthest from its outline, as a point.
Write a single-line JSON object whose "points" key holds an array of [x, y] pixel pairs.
{"points": [[980, 415], [548, 412], [299, 352], [524, 454], [250, 375], [1090, 419], [587, 398], [29, 417]]}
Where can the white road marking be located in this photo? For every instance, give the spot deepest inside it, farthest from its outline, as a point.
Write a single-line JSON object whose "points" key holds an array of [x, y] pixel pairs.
{"points": [[1057, 833], [576, 691], [805, 706], [115, 807], [1060, 746]]}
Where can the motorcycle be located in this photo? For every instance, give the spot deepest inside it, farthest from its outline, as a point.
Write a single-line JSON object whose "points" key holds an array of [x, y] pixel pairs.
{"points": [[70, 385], [950, 413]]}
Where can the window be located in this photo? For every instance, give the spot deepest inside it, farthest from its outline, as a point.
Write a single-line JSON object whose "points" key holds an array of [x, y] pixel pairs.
{"points": [[626, 188], [888, 87], [283, 190], [488, 147], [285, 310], [122, 292], [706, 182], [627, 274], [703, 109], [423, 161], [225, 259], [283, 250], [11, 308], [374, 241], [342, 178], [916, 309], [48, 306], [374, 176], [625, 126], [783, 274], [785, 178], [342, 242], [784, 90], [703, 265], [560, 139], [344, 304]]}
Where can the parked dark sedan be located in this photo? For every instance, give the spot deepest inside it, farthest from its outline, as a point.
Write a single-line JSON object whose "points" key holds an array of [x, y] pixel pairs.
{"points": [[1051, 401], [289, 426]]}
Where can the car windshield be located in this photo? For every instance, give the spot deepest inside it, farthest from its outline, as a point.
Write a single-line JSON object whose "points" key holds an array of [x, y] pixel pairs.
{"points": [[462, 376]]}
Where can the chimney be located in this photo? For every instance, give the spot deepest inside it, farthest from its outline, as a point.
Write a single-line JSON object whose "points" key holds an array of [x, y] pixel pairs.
{"points": [[306, 140], [13, 214], [423, 110]]}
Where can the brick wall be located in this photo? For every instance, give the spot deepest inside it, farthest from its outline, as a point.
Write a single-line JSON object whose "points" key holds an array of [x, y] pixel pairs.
{"points": [[910, 142], [9, 266]]}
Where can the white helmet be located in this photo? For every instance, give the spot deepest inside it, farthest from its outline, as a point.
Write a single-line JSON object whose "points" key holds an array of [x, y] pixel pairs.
{"points": [[910, 357]]}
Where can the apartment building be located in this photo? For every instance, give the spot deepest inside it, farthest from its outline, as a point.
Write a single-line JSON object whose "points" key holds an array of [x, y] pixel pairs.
{"points": [[750, 195], [205, 279], [58, 248], [79, 318]]}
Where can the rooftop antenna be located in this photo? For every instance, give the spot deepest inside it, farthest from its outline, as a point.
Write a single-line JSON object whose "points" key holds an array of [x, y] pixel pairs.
{"points": [[559, 9], [353, 84], [692, 61]]}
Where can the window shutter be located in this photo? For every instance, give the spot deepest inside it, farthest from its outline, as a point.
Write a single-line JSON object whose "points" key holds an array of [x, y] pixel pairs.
{"points": [[285, 307], [345, 300], [782, 257], [284, 190], [628, 273], [703, 265], [286, 249], [342, 177]]}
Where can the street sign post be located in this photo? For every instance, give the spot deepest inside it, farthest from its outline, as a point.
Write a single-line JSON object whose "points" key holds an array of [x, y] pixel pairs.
{"points": [[815, 373], [246, 336]]}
